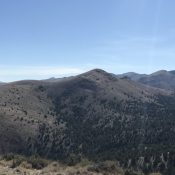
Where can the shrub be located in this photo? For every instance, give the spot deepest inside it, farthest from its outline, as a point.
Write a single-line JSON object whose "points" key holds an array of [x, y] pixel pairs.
{"points": [[17, 161], [84, 162], [37, 162], [73, 159], [8, 157]]}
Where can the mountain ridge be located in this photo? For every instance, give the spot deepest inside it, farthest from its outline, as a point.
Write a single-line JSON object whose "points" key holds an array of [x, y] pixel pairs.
{"points": [[160, 79], [93, 115]]}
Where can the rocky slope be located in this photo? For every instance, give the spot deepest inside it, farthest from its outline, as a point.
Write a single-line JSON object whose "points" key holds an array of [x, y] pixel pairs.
{"points": [[93, 115]]}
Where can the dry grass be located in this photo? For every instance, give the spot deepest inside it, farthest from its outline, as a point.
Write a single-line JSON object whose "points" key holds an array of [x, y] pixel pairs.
{"points": [[55, 168]]}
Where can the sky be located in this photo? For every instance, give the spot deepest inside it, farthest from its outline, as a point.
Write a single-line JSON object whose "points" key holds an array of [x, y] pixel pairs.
{"points": [[54, 38]]}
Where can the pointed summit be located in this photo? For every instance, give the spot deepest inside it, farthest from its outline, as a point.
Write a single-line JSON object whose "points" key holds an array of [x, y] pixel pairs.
{"points": [[98, 74]]}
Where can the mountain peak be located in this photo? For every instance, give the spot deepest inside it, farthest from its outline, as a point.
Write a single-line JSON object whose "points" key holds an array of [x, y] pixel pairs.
{"points": [[95, 72], [98, 71], [98, 74], [160, 72]]}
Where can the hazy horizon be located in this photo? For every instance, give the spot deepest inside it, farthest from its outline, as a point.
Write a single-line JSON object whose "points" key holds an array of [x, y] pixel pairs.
{"points": [[42, 75]]}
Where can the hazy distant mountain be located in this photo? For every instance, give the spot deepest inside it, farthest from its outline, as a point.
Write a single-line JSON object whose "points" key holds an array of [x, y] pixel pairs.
{"points": [[161, 79], [93, 115], [53, 79], [2, 83], [132, 75]]}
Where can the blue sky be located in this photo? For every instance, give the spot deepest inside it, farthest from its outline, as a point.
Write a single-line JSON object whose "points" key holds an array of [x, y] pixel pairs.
{"points": [[45, 38]]}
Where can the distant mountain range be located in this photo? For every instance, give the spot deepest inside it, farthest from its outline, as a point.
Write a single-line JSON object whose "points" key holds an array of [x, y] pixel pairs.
{"points": [[95, 115], [1, 83], [161, 79]]}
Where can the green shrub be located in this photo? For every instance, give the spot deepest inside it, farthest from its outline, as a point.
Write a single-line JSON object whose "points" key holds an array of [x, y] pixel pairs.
{"points": [[37, 162], [8, 157], [84, 162], [73, 159], [17, 161]]}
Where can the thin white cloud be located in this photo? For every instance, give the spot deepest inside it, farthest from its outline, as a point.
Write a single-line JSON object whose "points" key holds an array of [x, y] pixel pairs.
{"points": [[13, 73], [24, 70]]}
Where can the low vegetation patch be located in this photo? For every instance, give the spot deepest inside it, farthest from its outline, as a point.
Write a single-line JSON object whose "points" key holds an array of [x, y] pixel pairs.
{"points": [[36, 161], [35, 164]]}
